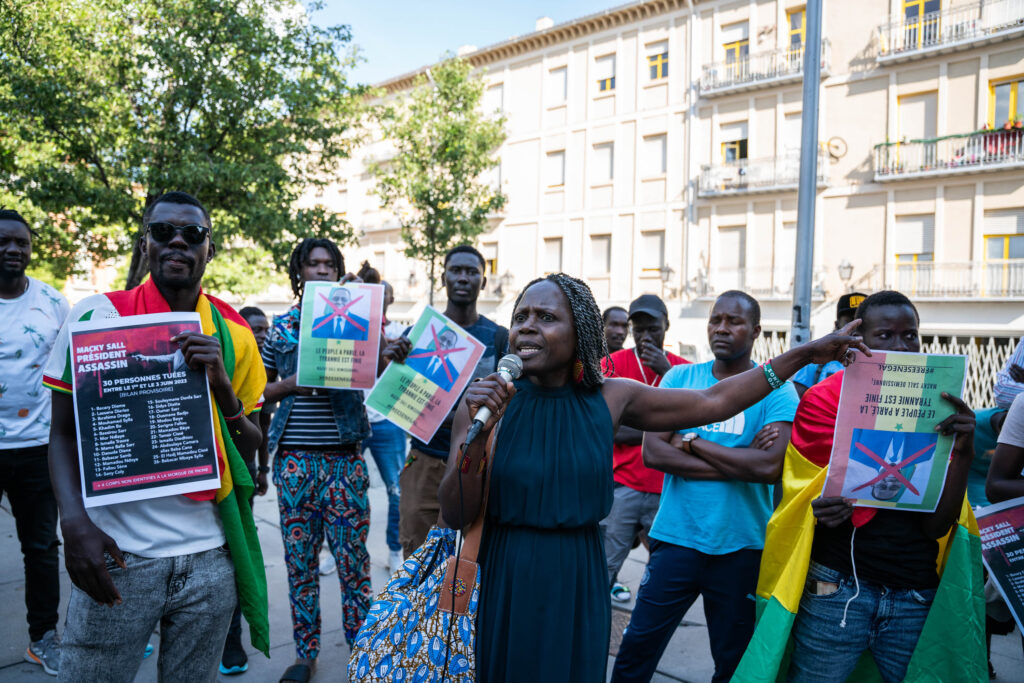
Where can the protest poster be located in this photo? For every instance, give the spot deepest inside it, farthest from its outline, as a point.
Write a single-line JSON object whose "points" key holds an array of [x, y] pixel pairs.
{"points": [[417, 395], [339, 335], [886, 452], [1002, 550], [144, 418]]}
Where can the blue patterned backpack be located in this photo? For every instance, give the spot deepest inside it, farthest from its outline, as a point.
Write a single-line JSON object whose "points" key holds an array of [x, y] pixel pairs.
{"points": [[422, 627]]}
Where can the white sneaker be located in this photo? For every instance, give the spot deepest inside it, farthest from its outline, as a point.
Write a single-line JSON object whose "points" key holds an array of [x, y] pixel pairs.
{"points": [[45, 652], [395, 560], [621, 593], [327, 564]]}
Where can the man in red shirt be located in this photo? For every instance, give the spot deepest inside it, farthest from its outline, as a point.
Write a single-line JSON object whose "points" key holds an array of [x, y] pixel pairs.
{"points": [[637, 488]]}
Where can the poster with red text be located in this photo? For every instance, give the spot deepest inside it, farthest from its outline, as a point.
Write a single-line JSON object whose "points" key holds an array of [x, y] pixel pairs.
{"points": [[1002, 550], [144, 418], [417, 395]]}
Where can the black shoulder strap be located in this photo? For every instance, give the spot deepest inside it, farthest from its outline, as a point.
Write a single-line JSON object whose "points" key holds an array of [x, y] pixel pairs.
{"points": [[500, 344]]}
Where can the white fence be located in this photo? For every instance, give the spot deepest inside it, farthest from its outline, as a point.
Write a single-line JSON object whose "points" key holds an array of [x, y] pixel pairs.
{"points": [[985, 357]]}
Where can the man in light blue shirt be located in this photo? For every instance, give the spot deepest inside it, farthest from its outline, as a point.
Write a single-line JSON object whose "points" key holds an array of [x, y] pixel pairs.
{"points": [[709, 531]]}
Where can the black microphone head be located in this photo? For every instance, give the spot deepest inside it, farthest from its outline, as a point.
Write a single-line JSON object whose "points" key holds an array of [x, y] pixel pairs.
{"points": [[512, 364]]}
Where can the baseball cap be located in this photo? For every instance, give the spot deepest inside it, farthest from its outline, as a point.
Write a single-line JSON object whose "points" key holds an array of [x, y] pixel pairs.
{"points": [[848, 303], [650, 304]]}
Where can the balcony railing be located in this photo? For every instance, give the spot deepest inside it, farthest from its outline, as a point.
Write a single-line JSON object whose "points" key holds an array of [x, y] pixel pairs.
{"points": [[950, 155], [760, 282], [747, 176], [1003, 278], [948, 29], [759, 70]]}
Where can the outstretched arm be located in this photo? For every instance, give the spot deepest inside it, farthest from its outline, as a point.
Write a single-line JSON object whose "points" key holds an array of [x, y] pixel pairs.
{"points": [[658, 410]]}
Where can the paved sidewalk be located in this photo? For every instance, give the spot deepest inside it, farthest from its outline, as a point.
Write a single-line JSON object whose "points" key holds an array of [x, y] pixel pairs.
{"points": [[687, 658]]}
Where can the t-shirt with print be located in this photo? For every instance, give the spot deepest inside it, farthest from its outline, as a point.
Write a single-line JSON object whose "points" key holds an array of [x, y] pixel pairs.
{"points": [[627, 460], [486, 332], [30, 326], [718, 517], [157, 527]]}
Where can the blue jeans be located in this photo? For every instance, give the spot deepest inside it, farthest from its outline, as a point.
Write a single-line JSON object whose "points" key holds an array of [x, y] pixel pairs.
{"points": [[674, 577], [189, 596], [886, 621], [387, 446]]}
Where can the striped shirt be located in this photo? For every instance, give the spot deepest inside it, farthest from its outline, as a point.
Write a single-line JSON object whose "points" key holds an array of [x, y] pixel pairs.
{"points": [[1006, 388], [311, 421]]}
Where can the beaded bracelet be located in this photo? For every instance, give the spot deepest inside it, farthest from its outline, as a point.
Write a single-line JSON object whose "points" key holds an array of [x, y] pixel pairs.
{"points": [[769, 374], [240, 413]]}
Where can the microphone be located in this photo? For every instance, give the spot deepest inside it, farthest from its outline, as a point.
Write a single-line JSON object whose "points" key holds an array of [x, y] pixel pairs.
{"points": [[510, 367]]}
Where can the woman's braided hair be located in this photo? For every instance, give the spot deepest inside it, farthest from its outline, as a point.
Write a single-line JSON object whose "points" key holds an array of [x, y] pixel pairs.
{"points": [[591, 346]]}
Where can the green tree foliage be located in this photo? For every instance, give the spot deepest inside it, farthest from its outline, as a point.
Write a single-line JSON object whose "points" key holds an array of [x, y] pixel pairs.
{"points": [[443, 144], [106, 104]]}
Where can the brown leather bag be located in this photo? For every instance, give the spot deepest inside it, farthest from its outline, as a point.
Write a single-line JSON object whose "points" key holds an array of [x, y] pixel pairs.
{"points": [[459, 584]]}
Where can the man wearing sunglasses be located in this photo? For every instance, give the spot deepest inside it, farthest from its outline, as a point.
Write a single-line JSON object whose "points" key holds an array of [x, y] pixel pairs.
{"points": [[172, 561]]}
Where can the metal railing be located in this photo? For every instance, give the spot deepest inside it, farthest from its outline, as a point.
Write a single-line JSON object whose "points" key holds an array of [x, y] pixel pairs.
{"points": [[759, 281], [985, 357], [997, 278], [950, 154], [769, 65], [960, 24], [752, 175]]}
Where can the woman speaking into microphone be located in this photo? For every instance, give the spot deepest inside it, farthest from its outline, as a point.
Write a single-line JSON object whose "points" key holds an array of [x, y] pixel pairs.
{"points": [[544, 610]]}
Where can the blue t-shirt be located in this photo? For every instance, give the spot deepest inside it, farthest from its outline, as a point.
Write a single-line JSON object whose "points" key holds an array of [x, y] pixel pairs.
{"points": [[719, 517], [809, 375]]}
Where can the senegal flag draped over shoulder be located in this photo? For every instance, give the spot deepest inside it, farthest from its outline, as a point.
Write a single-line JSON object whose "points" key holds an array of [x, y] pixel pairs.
{"points": [[248, 379], [952, 643]]}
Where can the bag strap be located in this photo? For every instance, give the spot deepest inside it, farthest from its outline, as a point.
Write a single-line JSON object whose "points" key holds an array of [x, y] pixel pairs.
{"points": [[473, 534]]}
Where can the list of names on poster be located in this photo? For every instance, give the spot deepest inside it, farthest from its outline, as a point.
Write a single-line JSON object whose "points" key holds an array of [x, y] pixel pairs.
{"points": [[170, 432], [113, 446]]}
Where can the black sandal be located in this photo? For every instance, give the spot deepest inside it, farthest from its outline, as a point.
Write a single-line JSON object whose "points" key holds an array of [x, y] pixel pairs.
{"points": [[297, 673]]}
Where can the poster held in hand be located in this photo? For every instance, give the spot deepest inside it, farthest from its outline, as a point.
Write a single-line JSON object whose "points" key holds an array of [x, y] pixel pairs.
{"points": [[144, 418], [418, 395], [1002, 551], [886, 452], [339, 335]]}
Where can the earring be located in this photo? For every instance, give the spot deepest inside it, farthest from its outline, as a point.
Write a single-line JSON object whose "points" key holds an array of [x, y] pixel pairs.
{"points": [[577, 371]]}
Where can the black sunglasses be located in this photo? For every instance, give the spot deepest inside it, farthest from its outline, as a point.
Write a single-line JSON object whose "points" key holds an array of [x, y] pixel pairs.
{"points": [[165, 232]]}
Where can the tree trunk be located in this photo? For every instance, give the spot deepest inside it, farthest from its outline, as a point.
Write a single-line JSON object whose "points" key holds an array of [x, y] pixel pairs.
{"points": [[139, 266]]}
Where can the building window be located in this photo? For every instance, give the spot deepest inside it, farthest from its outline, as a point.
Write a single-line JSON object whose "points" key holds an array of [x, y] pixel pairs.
{"points": [[552, 255], [1004, 252], [657, 60], [489, 250], [558, 85], [554, 170], [791, 133], [652, 251], [604, 67], [797, 28], [494, 98], [655, 155], [734, 142], [601, 253], [921, 23], [603, 163], [732, 258], [914, 247], [1006, 102], [736, 42]]}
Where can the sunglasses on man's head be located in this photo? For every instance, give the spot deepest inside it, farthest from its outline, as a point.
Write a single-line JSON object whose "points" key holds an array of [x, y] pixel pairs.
{"points": [[165, 232]]}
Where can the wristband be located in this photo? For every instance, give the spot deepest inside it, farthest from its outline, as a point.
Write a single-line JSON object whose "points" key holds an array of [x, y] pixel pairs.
{"points": [[263, 469], [769, 374], [239, 414]]}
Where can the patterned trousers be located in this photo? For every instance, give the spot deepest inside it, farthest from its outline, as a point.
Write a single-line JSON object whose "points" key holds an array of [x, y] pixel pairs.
{"points": [[324, 493]]}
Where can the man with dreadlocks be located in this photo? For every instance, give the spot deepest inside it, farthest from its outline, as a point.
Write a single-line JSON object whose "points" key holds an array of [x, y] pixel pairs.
{"points": [[318, 469], [551, 478]]}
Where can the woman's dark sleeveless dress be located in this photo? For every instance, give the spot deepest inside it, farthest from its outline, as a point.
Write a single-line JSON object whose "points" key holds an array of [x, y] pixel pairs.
{"points": [[544, 612]]}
